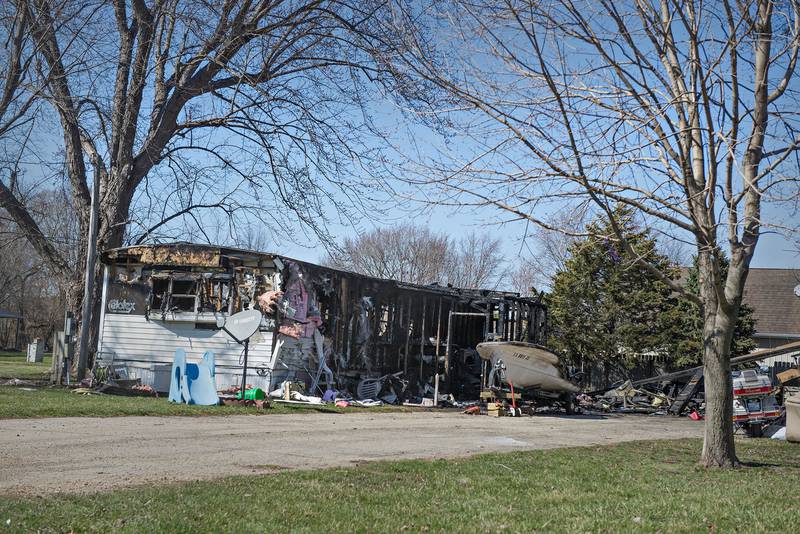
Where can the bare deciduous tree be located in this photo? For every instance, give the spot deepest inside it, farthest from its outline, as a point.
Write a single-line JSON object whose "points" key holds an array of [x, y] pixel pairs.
{"points": [[546, 250], [17, 96], [474, 261], [406, 253], [267, 97], [525, 278], [28, 286], [417, 255], [685, 111]]}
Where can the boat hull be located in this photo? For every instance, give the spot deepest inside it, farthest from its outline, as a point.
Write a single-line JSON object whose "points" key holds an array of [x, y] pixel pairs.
{"points": [[527, 365]]}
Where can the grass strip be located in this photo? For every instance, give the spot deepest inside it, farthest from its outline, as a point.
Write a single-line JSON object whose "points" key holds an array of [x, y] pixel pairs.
{"points": [[20, 402], [637, 486]]}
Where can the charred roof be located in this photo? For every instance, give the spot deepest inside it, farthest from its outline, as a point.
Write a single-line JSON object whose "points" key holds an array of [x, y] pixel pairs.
{"points": [[193, 256]]}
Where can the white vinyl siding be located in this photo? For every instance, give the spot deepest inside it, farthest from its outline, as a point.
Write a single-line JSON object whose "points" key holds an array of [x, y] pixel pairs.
{"points": [[135, 342]]}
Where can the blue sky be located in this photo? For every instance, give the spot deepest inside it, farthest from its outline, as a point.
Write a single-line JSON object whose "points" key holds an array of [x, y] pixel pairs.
{"points": [[773, 250], [412, 142]]}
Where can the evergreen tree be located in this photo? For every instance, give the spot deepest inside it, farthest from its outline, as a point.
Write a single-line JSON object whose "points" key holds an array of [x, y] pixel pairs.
{"points": [[606, 308]]}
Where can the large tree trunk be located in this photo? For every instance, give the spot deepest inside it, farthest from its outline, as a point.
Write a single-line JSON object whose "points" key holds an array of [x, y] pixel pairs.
{"points": [[115, 199], [718, 326], [718, 446], [117, 196]]}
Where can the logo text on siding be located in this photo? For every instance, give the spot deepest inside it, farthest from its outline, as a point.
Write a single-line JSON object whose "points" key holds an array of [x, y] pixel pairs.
{"points": [[121, 306]]}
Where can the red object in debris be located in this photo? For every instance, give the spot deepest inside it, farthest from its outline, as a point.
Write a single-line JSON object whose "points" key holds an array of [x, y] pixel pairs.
{"points": [[752, 391], [342, 404], [473, 410], [756, 415], [694, 416]]}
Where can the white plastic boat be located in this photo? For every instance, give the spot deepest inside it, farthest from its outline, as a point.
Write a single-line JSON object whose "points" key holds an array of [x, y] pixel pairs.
{"points": [[527, 365]]}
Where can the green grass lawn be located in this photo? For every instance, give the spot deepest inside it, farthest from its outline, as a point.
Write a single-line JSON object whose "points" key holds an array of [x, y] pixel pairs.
{"points": [[60, 402], [633, 487], [13, 365]]}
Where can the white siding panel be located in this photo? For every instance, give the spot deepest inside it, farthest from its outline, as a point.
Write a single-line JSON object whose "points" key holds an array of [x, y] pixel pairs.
{"points": [[131, 338]]}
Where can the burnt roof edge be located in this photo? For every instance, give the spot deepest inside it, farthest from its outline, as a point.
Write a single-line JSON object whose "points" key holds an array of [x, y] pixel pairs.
{"points": [[118, 256]]}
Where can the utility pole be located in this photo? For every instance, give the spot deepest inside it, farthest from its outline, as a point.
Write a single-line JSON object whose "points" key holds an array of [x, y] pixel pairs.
{"points": [[91, 253]]}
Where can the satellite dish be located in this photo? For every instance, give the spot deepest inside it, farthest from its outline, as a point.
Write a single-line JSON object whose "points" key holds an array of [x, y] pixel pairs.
{"points": [[797, 290], [241, 325]]}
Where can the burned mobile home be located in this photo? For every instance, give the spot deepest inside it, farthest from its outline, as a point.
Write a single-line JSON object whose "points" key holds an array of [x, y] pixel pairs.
{"points": [[159, 298]]}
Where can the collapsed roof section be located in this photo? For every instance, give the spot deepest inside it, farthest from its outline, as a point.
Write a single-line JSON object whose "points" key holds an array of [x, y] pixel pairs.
{"points": [[191, 256]]}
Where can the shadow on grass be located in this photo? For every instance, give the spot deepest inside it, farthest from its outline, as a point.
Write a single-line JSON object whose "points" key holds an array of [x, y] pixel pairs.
{"points": [[760, 464], [580, 417]]}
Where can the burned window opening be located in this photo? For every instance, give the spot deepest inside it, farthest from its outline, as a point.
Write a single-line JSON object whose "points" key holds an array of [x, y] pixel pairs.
{"points": [[160, 293], [183, 296], [197, 293]]}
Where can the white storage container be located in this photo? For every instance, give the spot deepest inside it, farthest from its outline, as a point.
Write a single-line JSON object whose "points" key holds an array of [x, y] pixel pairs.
{"points": [[793, 418], [227, 378]]}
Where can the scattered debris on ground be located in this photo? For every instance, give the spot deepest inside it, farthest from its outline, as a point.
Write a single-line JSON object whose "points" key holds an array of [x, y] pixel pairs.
{"points": [[758, 401], [16, 382]]}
